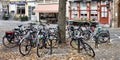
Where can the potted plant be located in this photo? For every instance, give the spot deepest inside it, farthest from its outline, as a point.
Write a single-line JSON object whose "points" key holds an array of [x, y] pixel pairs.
{"points": [[24, 18], [5, 17]]}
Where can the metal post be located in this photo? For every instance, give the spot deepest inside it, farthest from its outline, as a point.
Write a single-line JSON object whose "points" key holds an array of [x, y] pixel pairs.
{"points": [[78, 46], [50, 46]]}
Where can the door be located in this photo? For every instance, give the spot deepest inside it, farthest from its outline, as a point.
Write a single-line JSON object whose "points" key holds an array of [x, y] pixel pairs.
{"points": [[119, 14], [104, 15]]}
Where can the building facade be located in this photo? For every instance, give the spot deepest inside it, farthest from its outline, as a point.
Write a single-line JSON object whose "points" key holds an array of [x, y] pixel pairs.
{"points": [[91, 9], [22, 7]]}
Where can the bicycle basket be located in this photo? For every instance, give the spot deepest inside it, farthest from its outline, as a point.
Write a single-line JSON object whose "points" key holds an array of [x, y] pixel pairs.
{"points": [[9, 34]]}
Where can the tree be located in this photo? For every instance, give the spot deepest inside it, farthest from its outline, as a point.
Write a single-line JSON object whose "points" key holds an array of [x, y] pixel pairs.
{"points": [[62, 20]]}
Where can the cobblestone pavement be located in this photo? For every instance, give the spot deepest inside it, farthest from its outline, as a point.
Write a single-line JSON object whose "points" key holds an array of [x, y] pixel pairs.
{"points": [[104, 52]]}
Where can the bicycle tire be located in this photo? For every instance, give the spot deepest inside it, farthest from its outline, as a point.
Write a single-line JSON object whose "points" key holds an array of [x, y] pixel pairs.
{"points": [[28, 44], [102, 39], [11, 43], [40, 49], [74, 44], [86, 34], [89, 51], [54, 43]]}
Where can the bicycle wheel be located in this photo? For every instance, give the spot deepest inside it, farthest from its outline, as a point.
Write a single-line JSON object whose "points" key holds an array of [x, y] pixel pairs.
{"points": [[54, 43], [74, 44], [88, 50], [25, 47], [103, 37], [86, 35], [40, 50], [10, 43]]}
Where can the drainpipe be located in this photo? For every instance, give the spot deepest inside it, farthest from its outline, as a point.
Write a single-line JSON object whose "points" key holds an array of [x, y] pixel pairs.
{"points": [[8, 7], [113, 21]]}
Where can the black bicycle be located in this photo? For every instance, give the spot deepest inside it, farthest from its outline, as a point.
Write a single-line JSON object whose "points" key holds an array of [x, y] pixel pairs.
{"points": [[82, 46], [78, 42], [12, 38]]}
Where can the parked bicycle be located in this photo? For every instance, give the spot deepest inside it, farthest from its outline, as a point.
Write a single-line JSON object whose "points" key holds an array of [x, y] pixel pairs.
{"points": [[12, 38], [78, 42]]}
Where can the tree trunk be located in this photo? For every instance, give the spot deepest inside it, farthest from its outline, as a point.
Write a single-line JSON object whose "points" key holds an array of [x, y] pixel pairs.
{"points": [[62, 20]]}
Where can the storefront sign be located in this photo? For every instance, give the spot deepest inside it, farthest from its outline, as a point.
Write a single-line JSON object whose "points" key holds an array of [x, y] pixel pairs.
{"points": [[17, 2]]}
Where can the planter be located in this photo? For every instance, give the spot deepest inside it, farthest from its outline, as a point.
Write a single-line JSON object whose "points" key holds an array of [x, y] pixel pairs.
{"points": [[5, 17], [24, 18]]}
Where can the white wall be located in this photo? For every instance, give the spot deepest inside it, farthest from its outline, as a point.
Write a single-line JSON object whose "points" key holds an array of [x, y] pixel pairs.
{"points": [[12, 7], [67, 9], [33, 17], [0, 6]]}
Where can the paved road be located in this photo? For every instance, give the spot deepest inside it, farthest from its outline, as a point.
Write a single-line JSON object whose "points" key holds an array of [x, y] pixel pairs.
{"points": [[104, 52]]}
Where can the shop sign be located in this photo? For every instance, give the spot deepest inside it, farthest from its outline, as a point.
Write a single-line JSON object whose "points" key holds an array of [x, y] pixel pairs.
{"points": [[17, 2]]}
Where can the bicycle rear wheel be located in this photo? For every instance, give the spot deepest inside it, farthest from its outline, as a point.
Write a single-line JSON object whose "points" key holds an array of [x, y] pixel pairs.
{"points": [[25, 47], [88, 50], [103, 37], [10, 43]]}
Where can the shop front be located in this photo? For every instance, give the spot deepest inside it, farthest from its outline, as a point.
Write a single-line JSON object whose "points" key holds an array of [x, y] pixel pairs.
{"points": [[47, 12]]}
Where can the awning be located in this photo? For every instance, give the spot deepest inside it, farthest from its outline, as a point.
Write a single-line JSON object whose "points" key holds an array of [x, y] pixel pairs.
{"points": [[46, 8]]}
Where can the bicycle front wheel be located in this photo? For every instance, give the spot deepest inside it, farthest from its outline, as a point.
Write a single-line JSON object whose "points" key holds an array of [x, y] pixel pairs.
{"points": [[88, 49], [74, 44], [25, 47]]}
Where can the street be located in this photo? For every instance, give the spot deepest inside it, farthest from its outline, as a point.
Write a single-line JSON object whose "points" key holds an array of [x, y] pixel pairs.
{"points": [[109, 51]]}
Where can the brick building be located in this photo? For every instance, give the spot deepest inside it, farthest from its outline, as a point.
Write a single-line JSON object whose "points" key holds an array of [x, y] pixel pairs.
{"points": [[91, 9]]}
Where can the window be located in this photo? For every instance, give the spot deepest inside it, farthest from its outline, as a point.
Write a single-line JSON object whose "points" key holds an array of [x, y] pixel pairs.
{"points": [[103, 3], [93, 15], [83, 6], [33, 13], [74, 14], [83, 14], [21, 9], [93, 5], [104, 12], [41, 1], [74, 6]]}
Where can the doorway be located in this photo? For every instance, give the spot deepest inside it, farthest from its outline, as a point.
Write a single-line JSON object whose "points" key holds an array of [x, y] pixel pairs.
{"points": [[119, 14], [104, 15]]}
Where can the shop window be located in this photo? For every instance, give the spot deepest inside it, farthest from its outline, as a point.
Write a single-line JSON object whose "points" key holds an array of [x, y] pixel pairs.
{"points": [[33, 13]]}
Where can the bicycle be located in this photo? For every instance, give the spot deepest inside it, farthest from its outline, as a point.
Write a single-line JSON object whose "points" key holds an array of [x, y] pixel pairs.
{"points": [[11, 38], [79, 40]]}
